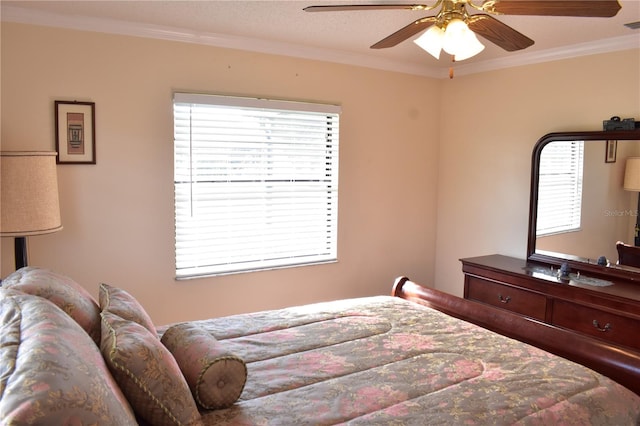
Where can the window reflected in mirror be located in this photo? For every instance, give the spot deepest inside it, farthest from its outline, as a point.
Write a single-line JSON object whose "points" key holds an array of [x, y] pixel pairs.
{"points": [[560, 188]]}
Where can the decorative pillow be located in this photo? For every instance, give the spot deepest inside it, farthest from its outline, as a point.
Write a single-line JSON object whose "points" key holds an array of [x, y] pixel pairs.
{"points": [[124, 305], [70, 296], [147, 373], [51, 372], [216, 377]]}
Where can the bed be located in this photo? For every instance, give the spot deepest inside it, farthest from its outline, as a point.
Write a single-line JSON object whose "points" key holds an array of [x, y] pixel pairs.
{"points": [[402, 359], [415, 357]]}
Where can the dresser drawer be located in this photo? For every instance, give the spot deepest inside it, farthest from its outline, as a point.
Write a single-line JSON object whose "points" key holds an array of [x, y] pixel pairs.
{"points": [[603, 324], [523, 302]]}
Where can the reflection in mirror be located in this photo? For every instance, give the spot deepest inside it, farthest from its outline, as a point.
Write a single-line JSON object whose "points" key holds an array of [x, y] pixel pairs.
{"points": [[579, 206], [583, 208]]}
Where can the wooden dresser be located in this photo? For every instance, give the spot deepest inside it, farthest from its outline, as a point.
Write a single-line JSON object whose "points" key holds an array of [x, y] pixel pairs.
{"points": [[605, 309]]}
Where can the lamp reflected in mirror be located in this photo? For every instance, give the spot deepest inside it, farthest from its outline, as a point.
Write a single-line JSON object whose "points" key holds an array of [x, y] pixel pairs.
{"points": [[632, 183]]}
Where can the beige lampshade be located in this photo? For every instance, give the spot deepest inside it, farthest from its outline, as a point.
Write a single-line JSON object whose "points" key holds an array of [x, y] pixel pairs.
{"points": [[632, 174], [29, 185]]}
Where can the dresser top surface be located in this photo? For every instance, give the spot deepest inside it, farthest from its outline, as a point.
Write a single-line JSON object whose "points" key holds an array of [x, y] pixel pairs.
{"points": [[550, 276]]}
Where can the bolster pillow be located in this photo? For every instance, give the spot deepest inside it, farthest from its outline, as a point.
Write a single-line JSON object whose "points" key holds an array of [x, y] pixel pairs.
{"points": [[216, 377]]}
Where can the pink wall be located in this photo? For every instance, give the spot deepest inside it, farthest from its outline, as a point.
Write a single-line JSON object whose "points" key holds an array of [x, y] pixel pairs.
{"points": [[118, 214]]}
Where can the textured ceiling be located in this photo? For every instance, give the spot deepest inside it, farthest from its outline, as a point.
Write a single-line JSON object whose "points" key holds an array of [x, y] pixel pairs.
{"points": [[283, 27]]}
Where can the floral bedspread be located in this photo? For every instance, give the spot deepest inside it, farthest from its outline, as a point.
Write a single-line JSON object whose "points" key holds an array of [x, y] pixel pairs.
{"points": [[384, 360]]}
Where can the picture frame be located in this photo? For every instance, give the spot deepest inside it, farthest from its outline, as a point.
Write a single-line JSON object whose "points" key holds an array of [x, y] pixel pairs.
{"points": [[611, 151], [75, 132]]}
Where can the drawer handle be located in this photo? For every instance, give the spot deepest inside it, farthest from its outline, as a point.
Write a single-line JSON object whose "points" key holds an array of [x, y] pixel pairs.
{"points": [[504, 299], [604, 329]]}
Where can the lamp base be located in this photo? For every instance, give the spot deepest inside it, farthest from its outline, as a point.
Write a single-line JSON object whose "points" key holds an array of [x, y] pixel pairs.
{"points": [[20, 247]]}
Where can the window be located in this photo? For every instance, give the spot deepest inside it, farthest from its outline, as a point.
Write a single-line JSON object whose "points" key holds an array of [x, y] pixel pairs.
{"points": [[256, 184], [560, 187]]}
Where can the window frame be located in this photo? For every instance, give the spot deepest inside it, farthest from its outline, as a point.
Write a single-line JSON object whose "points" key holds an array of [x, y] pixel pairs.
{"points": [[321, 188]]}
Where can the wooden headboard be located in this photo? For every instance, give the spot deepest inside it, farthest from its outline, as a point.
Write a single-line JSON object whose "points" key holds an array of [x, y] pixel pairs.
{"points": [[616, 362]]}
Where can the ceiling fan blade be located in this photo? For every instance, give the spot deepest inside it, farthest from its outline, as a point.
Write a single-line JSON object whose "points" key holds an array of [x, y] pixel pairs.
{"points": [[404, 33], [584, 8], [499, 33], [341, 8]]}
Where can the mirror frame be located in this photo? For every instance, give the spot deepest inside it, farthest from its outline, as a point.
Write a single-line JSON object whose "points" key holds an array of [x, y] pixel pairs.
{"points": [[574, 262]]}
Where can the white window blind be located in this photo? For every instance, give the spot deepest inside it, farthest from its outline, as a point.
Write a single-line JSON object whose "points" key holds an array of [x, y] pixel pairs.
{"points": [[256, 184], [560, 187]]}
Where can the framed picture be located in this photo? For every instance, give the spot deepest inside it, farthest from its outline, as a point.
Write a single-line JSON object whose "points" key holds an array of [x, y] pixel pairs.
{"points": [[610, 155], [75, 132]]}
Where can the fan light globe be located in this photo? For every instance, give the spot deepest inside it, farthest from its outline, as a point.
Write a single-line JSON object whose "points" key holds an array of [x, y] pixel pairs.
{"points": [[471, 47], [454, 36], [431, 41], [460, 41]]}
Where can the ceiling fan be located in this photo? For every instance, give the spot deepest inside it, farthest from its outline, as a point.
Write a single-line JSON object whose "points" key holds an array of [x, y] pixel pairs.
{"points": [[454, 11]]}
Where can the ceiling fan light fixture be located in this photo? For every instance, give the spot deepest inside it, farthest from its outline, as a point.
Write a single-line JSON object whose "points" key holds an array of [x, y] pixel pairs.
{"points": [[431, 41], [456, 39]]}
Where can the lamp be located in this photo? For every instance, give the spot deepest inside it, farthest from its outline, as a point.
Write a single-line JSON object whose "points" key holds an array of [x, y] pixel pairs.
{"points": [[632, 183], [29, 198], [455, 38]]}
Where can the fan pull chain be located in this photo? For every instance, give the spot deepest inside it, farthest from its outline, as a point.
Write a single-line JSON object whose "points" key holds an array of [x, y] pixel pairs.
{"points": [[453, 61]]}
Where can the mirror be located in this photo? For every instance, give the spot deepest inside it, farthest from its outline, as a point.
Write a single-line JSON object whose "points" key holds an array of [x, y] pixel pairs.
{"points": [[607, 212]]}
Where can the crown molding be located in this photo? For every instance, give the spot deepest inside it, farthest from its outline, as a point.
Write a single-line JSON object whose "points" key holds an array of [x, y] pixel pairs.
{"points": [[613, 44], [110, 26]]}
